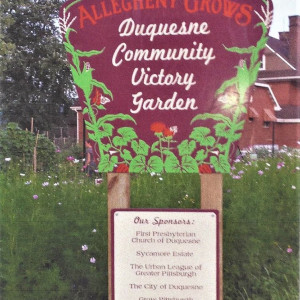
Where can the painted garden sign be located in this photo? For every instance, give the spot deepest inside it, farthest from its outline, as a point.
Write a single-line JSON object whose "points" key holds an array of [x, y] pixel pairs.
{"points": [[164, 84]]}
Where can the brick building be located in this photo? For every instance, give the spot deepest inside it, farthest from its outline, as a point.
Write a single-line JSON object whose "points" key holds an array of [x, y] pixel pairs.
{"points": [[274, 110]]}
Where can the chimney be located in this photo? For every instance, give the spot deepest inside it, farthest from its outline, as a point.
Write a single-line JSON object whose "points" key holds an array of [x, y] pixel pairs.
{"points": [[294, 41]]}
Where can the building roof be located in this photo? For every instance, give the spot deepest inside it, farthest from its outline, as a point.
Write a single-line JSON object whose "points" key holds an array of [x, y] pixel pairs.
{"points": [[288, 112], [279, 47]]}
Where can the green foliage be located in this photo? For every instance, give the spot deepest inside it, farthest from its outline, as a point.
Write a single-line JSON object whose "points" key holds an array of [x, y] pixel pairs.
{"points": [[34, 76], [19, 145], [43, 259], [261, 221]]}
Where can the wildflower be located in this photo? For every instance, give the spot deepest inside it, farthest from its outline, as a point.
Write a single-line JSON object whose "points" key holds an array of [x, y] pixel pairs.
{"points": [[268, 164], [59, 203], [280, 165], [56, 184], [293, 187], [28, 182], [98, 181], [160, 178], [241, 172], [57, 150], [236, 177], [35, 197], [94, 230], [70, 158], [46, 183], [289, 250], [158, 127], [22, 174], [152, 173], [92, 260], [260, 172], [7, 159], [76, 161], [84, 247]]}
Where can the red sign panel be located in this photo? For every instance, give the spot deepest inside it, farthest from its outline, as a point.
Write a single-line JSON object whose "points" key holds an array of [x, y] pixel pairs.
{"points": [[164, 84]]}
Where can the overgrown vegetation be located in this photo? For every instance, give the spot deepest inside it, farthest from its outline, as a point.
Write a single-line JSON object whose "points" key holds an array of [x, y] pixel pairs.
{"points": [[54, 228], [19, 145]]}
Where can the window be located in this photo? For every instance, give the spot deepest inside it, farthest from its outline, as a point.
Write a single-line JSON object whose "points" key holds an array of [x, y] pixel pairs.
{"points": [[263, 63], [267, 124]]}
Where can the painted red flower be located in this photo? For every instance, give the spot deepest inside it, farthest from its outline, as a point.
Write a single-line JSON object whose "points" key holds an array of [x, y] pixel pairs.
{"points": [[168, 132], [204, 169], [96, 99], [122, 168], [158, 127]]}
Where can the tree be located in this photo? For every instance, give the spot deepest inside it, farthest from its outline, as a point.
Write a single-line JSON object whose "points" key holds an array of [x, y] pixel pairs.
{"points": [[35, 78]]}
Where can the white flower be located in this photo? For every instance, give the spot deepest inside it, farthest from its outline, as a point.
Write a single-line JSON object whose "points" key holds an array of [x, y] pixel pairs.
{"points": [[84, 247], [46, 183], [28, 182], [93, 260], [56, 184], [7, 159], [94, 230], [174, 129], [76, 161], [22, 174], [59, 203], [160, 178], [293, 187]]}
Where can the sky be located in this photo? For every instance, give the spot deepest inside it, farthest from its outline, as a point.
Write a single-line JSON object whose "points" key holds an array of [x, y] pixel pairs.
{"points": [[283, 9]]}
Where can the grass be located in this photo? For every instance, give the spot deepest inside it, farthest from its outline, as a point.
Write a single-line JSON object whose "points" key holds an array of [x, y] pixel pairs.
{"points": [[41, 254]]}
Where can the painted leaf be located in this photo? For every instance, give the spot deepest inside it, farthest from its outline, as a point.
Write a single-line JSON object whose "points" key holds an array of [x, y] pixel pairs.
{"points": [[107, 163], [189, 165], [155, 164], [127, 133], [154, 146], [201, 155], [186, 147], [220, 164], [126, 155], [138, 164], [119, 141], [140, 147], [200, 135], [222, 130], [172, 164], [89, 53]]}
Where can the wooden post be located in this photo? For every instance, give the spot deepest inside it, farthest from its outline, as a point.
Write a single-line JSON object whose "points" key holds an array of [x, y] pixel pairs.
{"points": [[35, 153], [31, 126], [118, 197], [212, 198]]}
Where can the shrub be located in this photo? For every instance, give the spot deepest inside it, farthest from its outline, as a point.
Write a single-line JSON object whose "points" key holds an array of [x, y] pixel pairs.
{"points": [[19, 145]]}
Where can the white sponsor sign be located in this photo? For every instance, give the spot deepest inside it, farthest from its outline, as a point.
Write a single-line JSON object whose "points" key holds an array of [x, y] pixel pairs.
{"points": [[165, 255]]}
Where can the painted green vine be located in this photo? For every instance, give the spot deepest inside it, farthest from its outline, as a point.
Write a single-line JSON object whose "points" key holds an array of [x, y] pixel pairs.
{"points": [[121, 150]]}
